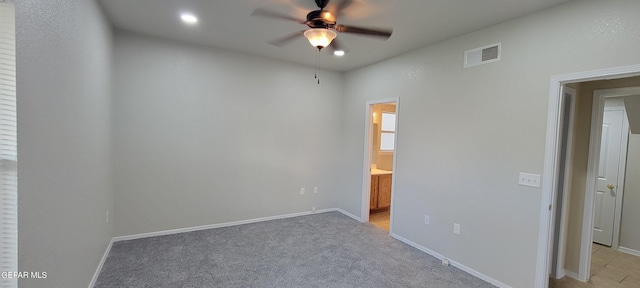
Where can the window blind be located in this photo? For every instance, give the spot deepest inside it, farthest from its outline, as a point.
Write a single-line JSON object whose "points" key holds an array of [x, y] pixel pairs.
{"points": [[8, 146]]}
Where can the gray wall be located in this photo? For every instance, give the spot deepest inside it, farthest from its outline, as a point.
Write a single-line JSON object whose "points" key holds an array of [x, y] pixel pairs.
{"points": [[63, 81], [630, 230], [205, 136], [464, 134]]}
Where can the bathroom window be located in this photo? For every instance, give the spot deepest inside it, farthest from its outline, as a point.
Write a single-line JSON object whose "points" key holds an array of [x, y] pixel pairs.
{"points": [[388, 132]]}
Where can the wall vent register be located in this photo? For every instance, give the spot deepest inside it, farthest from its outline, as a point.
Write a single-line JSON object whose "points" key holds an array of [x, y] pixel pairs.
{"points": [[482, 55]]}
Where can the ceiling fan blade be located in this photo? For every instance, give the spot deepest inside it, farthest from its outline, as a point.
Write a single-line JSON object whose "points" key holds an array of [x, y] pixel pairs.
{"points": [[286, 39], [384, 33], [341, 7], [275, 15], [336, 45]]}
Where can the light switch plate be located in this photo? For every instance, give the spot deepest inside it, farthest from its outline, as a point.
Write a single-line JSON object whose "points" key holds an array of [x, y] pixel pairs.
{"points": [[531, 180]]}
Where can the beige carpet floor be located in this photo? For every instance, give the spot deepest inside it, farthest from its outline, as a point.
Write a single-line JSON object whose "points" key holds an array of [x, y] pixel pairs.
{"points": [[322, 250]]}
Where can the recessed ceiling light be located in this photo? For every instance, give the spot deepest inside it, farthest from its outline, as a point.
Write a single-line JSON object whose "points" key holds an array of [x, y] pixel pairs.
{"points": [[338, 53], [189, 18]]}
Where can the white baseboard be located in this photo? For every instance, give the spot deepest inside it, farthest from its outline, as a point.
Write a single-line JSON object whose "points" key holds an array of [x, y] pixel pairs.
{"points": [[633, 252], [571, 274], [451, 262], [418, 246], [219, 225], [560, 273], [354, 217], [104, 258]]}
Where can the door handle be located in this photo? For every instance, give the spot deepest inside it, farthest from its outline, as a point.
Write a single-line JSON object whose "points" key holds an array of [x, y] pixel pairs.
{"points": [[610, 186]]}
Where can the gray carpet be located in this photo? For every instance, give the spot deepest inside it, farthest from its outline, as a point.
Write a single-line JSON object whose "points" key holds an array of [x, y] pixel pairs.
{"points": [[321, 250]]}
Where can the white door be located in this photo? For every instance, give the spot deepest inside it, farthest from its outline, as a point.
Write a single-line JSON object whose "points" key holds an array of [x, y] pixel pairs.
{"points": [[606, 190]]}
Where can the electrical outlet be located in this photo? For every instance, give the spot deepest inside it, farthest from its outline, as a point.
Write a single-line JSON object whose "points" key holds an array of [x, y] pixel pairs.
{"points": [[301, 191], [456, 228], [531, 180], [313, 209], [315, 190], [426, 219]]}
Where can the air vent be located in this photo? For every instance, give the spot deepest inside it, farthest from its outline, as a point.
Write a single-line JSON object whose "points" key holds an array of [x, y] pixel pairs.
{"points": [[482, 55]]}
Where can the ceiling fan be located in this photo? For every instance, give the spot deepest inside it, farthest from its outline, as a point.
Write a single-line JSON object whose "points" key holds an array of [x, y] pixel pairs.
{"points": [[322, 25]]}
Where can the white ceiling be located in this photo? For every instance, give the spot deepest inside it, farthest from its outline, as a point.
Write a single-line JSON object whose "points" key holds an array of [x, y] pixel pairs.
{"points": [[228, 24]]}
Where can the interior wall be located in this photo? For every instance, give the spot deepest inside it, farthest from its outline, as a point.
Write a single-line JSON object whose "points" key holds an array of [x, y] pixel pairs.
{"points": [[632, 106], [629, 229], [580, 150], [465, 134], [65, 180], [205, 136]]}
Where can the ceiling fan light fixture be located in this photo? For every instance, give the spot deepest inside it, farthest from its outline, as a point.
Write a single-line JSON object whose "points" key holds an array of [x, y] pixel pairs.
{"points": [[320, 37]]}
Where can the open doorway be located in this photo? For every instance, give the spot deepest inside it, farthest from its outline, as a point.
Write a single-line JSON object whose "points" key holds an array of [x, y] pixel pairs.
{"points": [[379, 163], [604, 195], [578, 205]]}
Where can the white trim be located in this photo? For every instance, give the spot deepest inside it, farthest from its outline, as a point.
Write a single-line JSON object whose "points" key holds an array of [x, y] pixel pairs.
{"points": [[550, 164], [568, 155], [394, 166], [220, 225], [560, 272], [548, 179], [633, 252], [366, 165], [99, 269], [418, 246], [451, 262], [354, 217], [571, 274]]}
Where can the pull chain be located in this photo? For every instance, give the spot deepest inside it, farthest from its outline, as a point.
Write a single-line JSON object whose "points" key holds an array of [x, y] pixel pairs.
{"points": [[316, 67]]}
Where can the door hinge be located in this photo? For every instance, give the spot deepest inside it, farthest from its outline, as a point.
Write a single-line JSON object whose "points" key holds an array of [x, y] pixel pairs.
{"points": [[549, 207]]}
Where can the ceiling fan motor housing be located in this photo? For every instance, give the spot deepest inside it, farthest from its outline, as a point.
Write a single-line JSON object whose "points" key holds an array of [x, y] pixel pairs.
{"points": [[322, 3], [320, 19]]}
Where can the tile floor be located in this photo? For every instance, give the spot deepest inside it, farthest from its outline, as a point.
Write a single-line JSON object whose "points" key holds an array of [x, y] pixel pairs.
{"points": [[609, 268], [380, 219]]}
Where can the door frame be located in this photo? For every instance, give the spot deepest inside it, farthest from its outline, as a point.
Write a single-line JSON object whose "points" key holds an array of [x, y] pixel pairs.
{"points": [[552, 161], [366, 165], [560, 219]]}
